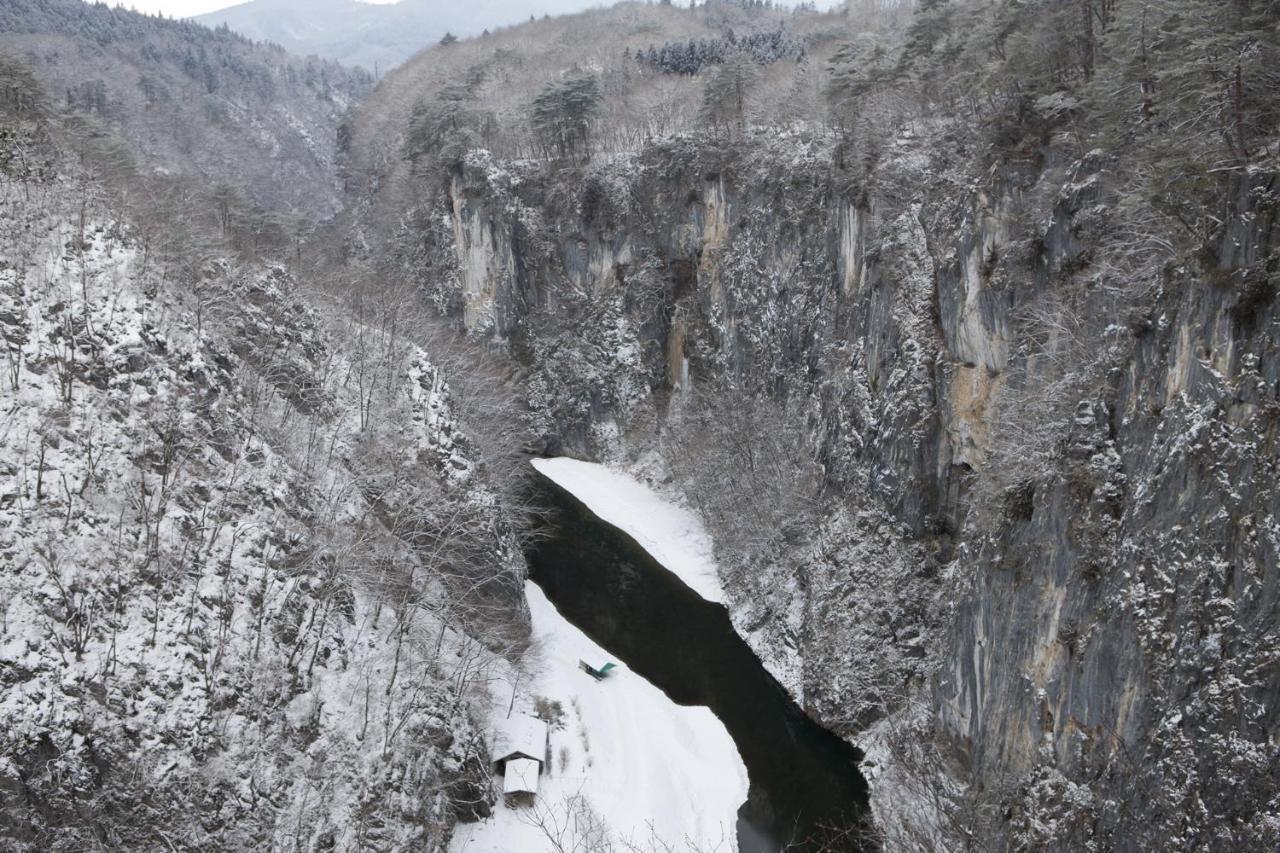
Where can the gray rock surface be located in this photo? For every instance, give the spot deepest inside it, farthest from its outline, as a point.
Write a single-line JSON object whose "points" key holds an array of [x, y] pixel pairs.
{"points": [[1049, 512]]}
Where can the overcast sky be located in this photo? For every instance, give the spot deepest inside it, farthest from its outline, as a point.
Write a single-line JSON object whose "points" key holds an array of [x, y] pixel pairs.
{"points": [[185, 8]]}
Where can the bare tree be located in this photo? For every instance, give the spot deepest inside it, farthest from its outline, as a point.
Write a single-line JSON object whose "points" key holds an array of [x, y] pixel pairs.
{"points": [[748, 469]]}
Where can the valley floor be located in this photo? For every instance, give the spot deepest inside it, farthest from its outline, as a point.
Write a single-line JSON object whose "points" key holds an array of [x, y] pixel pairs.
{"points": [[629, 769]]}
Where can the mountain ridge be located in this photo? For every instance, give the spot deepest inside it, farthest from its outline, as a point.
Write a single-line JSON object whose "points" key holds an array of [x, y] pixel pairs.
{"points": [[210, 104], [389, 33]]}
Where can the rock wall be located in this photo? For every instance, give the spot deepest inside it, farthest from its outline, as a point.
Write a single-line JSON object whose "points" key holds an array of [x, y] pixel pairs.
{"points": [[1050, 506]]}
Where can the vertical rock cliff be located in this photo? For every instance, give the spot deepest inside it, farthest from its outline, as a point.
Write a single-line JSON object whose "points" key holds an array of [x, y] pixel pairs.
{"points": [[1048, 489]]}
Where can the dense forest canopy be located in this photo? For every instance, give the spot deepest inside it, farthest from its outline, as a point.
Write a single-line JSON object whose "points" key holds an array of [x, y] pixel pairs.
{"points": [[206, 102]]}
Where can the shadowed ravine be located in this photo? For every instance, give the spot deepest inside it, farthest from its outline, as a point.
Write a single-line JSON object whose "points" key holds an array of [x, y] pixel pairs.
{"points": [[805, 781]]}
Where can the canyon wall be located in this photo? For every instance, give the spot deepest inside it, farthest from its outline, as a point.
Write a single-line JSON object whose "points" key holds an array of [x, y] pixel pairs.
{"points": [[1047, 542]]}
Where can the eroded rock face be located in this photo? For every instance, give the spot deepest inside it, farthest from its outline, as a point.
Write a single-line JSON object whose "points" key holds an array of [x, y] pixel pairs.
{"points": [[1107, 613], [1051, 489]]}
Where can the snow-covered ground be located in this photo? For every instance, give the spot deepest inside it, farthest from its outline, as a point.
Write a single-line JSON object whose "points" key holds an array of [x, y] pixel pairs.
{"points": [[670, 533], [629, 769], [627, 762]]}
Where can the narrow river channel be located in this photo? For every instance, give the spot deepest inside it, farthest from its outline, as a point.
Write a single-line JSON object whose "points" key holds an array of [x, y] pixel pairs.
{"points": [[804, 780]]}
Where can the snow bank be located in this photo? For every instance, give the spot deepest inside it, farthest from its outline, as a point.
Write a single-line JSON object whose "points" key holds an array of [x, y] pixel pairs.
{"points": [[624, 755], [671, 534]]}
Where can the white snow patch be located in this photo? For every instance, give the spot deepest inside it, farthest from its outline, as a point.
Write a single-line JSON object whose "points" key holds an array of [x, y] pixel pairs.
{"points": [[646, 768], [906, 810], [670, 533]]}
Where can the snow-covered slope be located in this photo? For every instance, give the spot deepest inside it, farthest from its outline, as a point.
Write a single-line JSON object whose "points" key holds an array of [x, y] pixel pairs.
{"points": [[214, 623], [627, 764]]}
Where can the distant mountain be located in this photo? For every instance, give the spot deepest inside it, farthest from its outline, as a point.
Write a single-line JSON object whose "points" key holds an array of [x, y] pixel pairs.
{"points": [[186, 99], [376, 37]]}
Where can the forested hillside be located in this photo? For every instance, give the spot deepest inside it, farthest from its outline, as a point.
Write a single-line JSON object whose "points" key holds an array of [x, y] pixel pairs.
{"points": [[254, 578], [643, 58], [184, 98], [957, 325]]}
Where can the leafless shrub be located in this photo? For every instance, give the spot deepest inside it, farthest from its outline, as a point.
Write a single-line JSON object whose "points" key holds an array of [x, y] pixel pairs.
{"points": [[571, 825], [1056, 366], [75, 606], [747, 466]]}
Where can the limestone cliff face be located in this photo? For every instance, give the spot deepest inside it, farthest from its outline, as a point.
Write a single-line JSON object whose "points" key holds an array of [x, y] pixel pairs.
{"points": [[1051, 513], [1120, 621]]}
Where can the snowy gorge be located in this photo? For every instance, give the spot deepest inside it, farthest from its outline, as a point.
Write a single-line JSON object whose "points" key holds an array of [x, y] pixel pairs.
{"points": [[939, 361], [947, 605]]}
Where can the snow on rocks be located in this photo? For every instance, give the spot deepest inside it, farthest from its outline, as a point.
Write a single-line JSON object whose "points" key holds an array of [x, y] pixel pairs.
{"points": [[191, 644], [433, 419]]}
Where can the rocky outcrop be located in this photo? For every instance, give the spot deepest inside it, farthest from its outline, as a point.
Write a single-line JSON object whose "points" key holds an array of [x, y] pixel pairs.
{"points": [[1127, 586], [1082, 464]]}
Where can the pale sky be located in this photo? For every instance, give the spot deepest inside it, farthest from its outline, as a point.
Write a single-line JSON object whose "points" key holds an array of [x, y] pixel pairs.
{"points": [[186, 8]]}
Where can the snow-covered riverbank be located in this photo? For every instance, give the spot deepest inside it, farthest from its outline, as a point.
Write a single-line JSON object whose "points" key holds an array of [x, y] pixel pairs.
{"points": [[644, 767], [675, 537], [671, 534]]}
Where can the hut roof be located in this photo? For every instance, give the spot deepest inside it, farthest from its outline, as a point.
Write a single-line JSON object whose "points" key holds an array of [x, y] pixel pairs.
{"points": [[521, 735], [521, 776]]}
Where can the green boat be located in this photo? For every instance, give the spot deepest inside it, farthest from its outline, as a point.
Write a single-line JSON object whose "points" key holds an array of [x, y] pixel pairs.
{"points": [[597, 674]]}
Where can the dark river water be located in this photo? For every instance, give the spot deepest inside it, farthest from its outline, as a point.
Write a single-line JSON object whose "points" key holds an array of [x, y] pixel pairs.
{"points": [[805, 784]]}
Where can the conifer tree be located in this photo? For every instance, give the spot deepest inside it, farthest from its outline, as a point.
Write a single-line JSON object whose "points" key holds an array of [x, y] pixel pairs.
{"points": [[724, 100], [564, 113]]}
